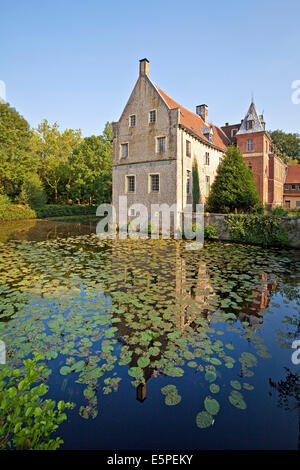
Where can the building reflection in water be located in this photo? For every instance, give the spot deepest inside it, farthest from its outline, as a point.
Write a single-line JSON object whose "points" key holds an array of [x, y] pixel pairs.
{"points": [[187, 286]]}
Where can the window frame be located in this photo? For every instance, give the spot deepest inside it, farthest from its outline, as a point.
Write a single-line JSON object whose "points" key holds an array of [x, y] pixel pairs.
{"points": [[207, 159], [121, 149], [150, 190], [158, 138], [188, 148], [127, 184], [149, 116], [131, 116], [250, 145]]}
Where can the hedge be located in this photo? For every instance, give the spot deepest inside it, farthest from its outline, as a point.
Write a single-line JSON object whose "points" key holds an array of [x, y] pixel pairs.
{"points": [[16, 211], [52, 210]]}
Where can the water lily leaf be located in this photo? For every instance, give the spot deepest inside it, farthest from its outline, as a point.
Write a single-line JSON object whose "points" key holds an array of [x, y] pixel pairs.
{"points": [[214, 388], [211, 405], [204, 420], [143, 362], [237, 400], [235, 384]]}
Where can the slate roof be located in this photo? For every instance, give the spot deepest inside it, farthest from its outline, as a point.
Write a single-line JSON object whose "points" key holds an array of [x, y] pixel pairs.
{"points": [[252, 115]]}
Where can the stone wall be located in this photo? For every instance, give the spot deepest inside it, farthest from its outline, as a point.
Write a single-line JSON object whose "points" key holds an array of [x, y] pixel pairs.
{"points": [[291, 223]]}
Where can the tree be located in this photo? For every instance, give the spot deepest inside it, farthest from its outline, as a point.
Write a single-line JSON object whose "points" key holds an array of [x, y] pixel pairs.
{"points": [[16, 159], [91, 169], [234, 186], [32, 192], [196, 185], [287, 143], [53, 150]]}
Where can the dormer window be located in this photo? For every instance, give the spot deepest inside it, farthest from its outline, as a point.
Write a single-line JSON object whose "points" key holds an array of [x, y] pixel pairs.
{"points": [[249, 124]]}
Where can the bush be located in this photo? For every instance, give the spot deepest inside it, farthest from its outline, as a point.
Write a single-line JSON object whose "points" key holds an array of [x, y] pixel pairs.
{"points": [[210, 232], [52, 210], [279, 212], [27, 421], [4, 200], [234, 186], [265, 230], [15, 211], [32, 192]]}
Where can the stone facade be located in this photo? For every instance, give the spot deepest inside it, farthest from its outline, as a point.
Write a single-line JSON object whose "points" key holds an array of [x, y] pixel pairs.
{"points": [[156, 141]]}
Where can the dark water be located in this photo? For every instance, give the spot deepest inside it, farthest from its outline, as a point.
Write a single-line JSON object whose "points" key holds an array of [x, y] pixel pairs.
{"points": [[158, 346]]}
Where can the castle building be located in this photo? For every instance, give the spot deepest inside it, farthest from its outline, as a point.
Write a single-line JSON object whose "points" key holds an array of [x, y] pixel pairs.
{"points": [[291, 193], [156, 141]]}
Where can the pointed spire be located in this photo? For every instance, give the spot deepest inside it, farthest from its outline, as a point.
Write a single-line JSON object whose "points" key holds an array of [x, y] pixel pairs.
{"points": [[252, 121]]}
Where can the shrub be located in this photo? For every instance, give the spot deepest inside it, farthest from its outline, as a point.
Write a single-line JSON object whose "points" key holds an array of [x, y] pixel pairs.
{"points": [[27, 421], [279, 211], [234, 186], [15, 211], [265, 230], [53, 210], [4, 200], [210, 232], [32, 192]]}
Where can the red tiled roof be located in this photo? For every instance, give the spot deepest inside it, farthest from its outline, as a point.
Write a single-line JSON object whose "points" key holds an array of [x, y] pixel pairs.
{"points": [[293, 174], [195, 123]]}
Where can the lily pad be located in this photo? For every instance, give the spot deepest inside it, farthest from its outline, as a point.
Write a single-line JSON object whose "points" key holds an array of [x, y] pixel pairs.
{"points": [[204, 420]]}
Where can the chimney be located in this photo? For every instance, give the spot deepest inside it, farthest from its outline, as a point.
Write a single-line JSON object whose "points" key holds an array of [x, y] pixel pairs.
{"points": [[226, 124], [144, 67], [202, 111]]}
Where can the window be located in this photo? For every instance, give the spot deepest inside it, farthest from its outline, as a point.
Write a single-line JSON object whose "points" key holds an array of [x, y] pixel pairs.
{"points": [[233, 132], [297, 203], [154, 183], [249, 125], [131, 212], [220, 160], [132, 120], [152, 116], [249, 145], [207, 185], [293, 186], [161, 144], [206, 158], [250, 165], [188, 182], [130, 184], [188, 148], [124, 150]]}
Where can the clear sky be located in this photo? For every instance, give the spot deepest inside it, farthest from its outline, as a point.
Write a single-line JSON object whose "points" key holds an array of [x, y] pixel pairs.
{"points": [[76, 61]]}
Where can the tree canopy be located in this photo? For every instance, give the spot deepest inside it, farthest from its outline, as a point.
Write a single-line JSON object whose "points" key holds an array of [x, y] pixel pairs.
{"points": [[47, 163], [234, 186], [288, 144]]}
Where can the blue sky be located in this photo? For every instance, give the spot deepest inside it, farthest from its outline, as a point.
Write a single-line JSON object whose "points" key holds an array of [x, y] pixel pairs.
{"points": [[76, 62]]}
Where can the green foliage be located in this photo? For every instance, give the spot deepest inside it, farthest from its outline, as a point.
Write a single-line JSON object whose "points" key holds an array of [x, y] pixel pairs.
{"points": [[15, 150], [91, 170], [210, 232], [196, 185], [279, 212], [52, 210], [287, 143], [26, 420], [15, 211], [266, 230], [234, 186], [32, 192]]}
